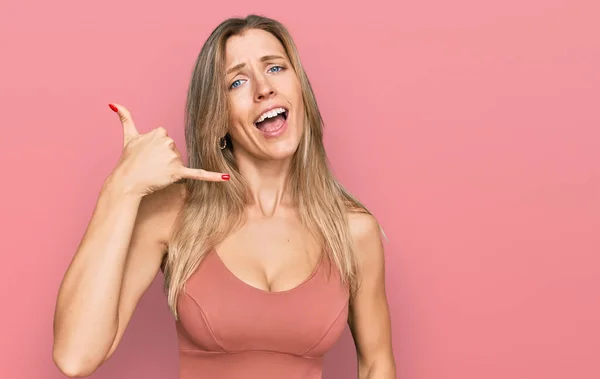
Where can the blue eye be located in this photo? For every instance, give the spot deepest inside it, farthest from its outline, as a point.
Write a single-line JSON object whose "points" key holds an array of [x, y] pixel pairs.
{"points": [[233, 84], [238, 82]]}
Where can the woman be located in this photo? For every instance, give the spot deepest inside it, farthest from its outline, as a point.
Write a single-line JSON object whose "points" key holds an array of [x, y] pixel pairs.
{"points": [[265, 255]]}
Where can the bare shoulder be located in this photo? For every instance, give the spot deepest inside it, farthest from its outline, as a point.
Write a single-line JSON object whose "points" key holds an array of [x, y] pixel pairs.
{"points": [[363, 226], [366, 236], [159, 210]]}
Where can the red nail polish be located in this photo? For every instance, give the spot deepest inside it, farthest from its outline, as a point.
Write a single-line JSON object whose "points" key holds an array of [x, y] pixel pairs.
{"points": [[225, 176], [113, 107]]}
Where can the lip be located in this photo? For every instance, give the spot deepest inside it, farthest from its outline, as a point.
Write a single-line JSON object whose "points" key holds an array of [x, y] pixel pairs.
{"points": [[275, 133], [270, 108]]}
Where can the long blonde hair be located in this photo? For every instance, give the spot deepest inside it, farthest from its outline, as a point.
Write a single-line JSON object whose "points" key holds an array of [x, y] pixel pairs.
{"points": [[213, 210]]}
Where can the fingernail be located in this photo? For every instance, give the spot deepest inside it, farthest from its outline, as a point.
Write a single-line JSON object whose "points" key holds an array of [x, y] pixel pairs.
{"points": [[225, 176], [113, 107]]}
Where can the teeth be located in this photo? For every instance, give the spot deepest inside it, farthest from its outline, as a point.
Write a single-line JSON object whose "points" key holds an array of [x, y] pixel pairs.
{"points": [[271, 113]]}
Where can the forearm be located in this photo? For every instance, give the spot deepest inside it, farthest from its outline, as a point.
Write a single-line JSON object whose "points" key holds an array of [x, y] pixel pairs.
{"points": [[86, 317]]}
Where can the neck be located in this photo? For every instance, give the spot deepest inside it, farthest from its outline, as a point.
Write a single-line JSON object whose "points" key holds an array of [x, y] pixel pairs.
{"points": [[266, 179]]}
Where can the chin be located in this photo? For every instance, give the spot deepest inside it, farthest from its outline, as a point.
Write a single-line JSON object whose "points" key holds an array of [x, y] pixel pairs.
{"points": [[282, 149]]}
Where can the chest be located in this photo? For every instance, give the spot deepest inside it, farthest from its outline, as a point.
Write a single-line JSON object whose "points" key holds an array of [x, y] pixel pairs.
{"points": [[219, 313], [271, 254]]}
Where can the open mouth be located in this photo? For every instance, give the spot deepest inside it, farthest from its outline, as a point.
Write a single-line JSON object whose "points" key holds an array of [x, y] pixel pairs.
{"points": [[272, 120]]}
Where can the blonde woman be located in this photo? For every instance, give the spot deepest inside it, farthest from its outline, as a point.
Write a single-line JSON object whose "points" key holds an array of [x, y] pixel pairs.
{"points": [[265, 255]]}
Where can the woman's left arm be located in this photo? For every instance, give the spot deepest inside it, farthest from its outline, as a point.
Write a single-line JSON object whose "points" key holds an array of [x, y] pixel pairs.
{"points": [[369, 318]]}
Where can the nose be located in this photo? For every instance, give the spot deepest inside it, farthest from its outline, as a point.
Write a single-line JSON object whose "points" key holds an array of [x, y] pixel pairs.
{"points": [[264, 88]]}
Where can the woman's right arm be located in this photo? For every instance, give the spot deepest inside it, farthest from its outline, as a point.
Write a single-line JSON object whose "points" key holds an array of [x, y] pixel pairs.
{"points": [[122, 249], [117, 259]]}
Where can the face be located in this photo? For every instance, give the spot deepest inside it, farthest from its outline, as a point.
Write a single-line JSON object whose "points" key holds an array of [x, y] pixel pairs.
{"points": [[265, 97]]}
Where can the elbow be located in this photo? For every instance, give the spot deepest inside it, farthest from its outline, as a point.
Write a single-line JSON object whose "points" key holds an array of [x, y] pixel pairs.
{"points": [[381, 368], [73, 365], [78, 357]]}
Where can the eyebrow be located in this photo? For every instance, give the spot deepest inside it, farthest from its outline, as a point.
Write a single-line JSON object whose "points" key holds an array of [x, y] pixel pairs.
{"points": [[262, 59]]}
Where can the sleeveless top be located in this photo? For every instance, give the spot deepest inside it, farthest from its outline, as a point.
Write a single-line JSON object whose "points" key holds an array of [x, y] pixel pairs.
{"points": [[228, 329]]}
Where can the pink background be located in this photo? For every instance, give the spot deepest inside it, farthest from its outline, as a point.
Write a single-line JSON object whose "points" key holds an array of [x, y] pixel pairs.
{"points": [[470, 128]]}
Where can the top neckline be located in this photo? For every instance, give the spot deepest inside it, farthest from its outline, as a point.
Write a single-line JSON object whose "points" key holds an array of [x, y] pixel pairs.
{"points": [[265, 292]]}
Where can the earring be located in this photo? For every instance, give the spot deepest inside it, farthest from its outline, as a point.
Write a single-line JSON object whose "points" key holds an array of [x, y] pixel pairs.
{"points": [[222, 143]]}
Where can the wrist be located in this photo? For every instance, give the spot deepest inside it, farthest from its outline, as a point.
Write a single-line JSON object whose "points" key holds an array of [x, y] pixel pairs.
{"points": [[117, 186]]}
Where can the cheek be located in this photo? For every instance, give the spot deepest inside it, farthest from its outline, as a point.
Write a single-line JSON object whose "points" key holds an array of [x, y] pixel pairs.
{"points": [[238, 126], [300, 111], [240, 107], [298, 98], [236, 121]]}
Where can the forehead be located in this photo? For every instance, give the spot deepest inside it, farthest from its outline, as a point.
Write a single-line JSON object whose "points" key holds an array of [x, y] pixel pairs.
{"points": [[250, 46]]}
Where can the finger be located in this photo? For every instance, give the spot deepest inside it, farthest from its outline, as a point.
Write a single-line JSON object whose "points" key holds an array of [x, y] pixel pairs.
{"points": [[161, 131], [199, 174], [176, 151], [171, 145], [129, 129]]}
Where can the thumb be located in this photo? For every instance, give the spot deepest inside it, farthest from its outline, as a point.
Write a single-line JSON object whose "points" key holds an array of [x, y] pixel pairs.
{"points": [[129, 129]]}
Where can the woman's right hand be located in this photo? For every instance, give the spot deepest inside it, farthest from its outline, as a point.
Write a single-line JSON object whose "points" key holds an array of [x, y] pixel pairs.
{"points": [[151, 161]]}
